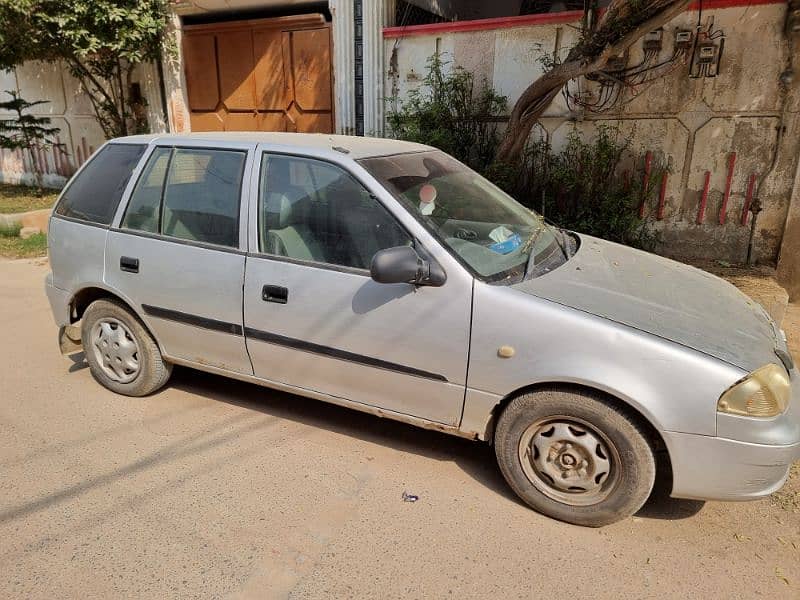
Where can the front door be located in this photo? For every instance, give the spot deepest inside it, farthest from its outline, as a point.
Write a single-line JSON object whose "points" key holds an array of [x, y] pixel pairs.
{"points": [[315, 319], [176, 254]]}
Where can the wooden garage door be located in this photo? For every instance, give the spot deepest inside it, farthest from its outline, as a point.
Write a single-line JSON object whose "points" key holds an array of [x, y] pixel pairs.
{"points": [[261, 75]]}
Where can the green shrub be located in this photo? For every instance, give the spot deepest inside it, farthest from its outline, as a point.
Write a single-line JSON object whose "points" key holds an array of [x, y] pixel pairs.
{"points": [[10, 230], [16, 247], [586, 187], [583, 187], [449, 111]]}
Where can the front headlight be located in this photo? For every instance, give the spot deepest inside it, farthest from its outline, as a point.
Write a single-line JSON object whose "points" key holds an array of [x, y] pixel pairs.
{"points": [[764, 393]]}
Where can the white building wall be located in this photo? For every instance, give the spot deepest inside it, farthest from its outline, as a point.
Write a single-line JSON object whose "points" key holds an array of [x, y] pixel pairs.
{"points": [[70, 111], [343, 26], [377, 15]]}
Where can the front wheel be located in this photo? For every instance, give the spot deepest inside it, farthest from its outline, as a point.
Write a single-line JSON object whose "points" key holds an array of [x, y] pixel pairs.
{"points": [[573, 456]]}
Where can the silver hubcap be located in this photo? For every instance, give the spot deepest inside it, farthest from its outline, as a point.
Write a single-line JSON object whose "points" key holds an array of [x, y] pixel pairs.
{"points": [[569, 460], [115, 349]]}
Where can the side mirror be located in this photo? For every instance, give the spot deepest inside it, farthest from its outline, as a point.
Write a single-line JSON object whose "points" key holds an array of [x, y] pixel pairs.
{"points": [[403, 265]]}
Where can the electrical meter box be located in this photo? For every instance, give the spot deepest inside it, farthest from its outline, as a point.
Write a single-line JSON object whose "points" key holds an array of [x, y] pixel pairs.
{"points": [[706, 54], [653, 41], [683, 39]]}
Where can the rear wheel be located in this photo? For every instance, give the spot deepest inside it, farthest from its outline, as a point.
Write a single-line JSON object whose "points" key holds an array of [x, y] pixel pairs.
{"points": [[121, 353], [573, 456]]}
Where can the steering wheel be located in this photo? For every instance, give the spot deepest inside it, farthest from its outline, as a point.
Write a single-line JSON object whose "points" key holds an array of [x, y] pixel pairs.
{"points": [[465, 234]]}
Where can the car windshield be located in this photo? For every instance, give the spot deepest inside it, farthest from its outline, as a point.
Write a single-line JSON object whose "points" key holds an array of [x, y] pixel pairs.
{"points": [[488, 230]]}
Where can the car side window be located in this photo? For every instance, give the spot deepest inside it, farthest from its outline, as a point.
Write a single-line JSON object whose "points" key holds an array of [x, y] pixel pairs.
{"points": [[189, 193], [142, 213], [202, 196], [315, 211], [94, 194]]}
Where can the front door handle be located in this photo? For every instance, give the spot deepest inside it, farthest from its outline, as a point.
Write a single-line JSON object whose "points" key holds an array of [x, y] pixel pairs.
{"points": [[275, 293], [128, 264]]}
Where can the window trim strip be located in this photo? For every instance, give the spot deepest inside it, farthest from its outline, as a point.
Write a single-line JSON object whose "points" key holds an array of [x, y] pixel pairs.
{"points": [[53, 215], [175, 240], [310, 263]]}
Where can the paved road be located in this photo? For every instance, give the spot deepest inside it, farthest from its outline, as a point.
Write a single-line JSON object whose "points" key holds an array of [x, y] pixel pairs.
{"points": [[214, 488]]}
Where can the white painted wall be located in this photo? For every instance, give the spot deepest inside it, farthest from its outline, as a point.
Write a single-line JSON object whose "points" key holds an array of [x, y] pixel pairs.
{"points": [[70, 111]]}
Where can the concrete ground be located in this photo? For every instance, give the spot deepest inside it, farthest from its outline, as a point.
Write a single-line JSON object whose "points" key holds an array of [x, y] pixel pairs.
{"points": [[213, 488]]}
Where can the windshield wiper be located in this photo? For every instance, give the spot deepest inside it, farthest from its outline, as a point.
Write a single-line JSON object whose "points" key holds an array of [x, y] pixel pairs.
{"points": [[529, 246], [561, 240]]}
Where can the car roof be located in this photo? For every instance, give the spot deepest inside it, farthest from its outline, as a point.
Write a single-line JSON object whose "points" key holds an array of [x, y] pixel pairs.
{"points": [[356, 147]]}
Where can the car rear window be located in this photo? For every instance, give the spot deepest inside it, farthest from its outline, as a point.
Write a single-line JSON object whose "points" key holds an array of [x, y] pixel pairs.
{"points": [[94, 194]]}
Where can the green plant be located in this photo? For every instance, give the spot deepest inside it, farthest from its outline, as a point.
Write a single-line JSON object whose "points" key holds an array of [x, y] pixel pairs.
{"points": [[25, 131], [10, 231], [16, 247], [583, 186], [22, 198], [591, 186], [99, 41], [451, 112]]}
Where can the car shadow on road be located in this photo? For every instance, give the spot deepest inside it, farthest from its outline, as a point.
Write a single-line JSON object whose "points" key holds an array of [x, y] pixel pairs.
{"points": [[474, 458]]}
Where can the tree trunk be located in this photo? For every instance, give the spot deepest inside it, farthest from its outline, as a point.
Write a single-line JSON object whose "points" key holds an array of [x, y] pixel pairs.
{"points": [[622, 24]]}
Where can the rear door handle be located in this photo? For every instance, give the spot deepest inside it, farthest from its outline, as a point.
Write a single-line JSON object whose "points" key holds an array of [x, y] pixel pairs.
{"points": [[128, 264], [275, 293]]}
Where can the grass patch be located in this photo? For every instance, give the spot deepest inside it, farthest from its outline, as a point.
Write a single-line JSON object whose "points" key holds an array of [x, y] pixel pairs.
{"points": [[16, 247], [22, 198], [9, 231]]}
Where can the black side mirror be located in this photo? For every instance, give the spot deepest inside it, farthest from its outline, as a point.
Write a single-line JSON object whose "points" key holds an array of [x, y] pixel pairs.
{"points": [[403, 265]]}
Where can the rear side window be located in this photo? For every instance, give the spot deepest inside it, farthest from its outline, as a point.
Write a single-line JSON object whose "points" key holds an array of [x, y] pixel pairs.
{"points": [[143, 209], [189, 193], [94, 194]]}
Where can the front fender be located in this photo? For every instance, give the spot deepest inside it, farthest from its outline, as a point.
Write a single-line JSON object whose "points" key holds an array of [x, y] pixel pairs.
{"points": [[674, 387]]}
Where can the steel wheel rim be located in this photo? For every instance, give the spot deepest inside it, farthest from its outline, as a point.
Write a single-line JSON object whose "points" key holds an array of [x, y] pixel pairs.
{"points": [[569, 460], [116, 350]]}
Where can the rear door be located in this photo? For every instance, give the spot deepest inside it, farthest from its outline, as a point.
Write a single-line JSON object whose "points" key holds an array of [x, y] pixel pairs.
{"points": [[315, 319], [177, 252], [79, 225]]}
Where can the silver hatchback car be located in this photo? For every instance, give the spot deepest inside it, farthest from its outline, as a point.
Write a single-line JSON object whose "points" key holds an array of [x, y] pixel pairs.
{"points": [[388, 277]]}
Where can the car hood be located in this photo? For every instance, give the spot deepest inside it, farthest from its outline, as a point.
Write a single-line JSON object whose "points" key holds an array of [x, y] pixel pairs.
{"points": [[662, 297]]}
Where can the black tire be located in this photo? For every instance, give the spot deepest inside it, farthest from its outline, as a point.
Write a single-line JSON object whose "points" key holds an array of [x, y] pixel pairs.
{"points": [[153, 371], [626, 485]]}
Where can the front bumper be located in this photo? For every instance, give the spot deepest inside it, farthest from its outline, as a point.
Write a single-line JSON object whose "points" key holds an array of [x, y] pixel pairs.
{"points": [[748, 459], [713, 468]]}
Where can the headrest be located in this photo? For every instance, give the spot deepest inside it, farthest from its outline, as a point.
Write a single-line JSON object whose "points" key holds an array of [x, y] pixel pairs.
{"points": [[280, 211]]}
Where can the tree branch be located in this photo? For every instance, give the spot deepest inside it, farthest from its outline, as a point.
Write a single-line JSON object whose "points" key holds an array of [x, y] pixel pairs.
{"points": [[609, 39], [84, 70]]}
